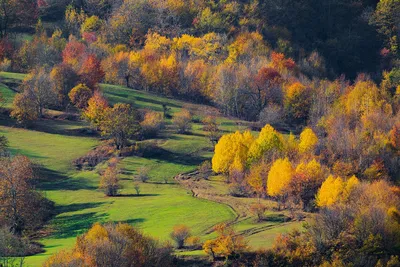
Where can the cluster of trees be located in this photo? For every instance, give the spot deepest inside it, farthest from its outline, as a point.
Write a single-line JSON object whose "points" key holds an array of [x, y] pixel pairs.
{"points": [[114, 245], [353, 131], [18, 198], [360, 229], [296, 29], [344, 165], [235, 54]]}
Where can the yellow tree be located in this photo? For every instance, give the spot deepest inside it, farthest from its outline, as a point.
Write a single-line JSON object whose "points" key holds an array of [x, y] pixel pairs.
{"points": [[228, 243], [269, 140], [362, 99], [291, 146], [297, 101], [307, 179], [257, 178], [335, 190], [279, 177], [231, 148], [308, 141], [96, 109]]}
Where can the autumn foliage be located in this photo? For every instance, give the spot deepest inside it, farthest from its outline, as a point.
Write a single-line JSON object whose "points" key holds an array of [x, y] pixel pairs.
{"points": [[227, 244], [98, 247]]}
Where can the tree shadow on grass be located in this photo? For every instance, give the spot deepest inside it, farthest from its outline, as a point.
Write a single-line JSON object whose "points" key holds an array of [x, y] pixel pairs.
{"points": [[158, 153], [278, 218], [52, 126], [74, 225], [133, 221], [52, 181], [135, 195], [77, 207]]}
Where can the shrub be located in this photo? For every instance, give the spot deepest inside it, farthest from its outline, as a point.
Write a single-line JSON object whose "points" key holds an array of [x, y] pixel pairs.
{"points": [[24, 109], [5, 65], [227, 244], [179, 234], [94, 157], [193, 241], [80, 95], [114, 245], [182, 121], [13, 246], [152, 123]]}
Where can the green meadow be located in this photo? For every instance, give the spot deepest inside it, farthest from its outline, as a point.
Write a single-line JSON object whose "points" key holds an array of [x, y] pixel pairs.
{"points": [[162, 202]]}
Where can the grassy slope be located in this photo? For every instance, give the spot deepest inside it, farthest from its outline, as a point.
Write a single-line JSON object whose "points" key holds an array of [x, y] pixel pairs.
{"points": [[7, 94], [79, 202]]}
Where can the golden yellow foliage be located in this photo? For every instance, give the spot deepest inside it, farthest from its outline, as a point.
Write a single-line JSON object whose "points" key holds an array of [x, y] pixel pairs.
{"points": [[330, 191], [362, 99], [231, 148], [308, 141], [335, 190], [157, 43], [226, 244], [279, 177], [312, 170], [291, 146], [97, 232], [246, 44], [268, 140], [257, 178]]}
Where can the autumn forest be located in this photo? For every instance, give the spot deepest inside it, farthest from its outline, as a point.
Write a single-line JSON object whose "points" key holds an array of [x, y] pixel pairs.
{"points": [[199, 133]]}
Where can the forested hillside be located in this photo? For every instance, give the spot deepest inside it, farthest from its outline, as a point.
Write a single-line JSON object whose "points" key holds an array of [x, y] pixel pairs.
{"points": [[199, 133]]}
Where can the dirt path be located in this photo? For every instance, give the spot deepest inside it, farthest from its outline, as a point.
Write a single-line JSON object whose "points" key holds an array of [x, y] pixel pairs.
{"points": [[205, 189]]}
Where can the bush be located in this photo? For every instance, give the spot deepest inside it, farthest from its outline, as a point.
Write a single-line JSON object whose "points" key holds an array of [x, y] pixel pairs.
{"points": [[193, 241], [179, 234], [152, 124], [94, 157], [182, 120], [5, 65], [13, 246], [114, 245], [228, 244], [80, 95]]}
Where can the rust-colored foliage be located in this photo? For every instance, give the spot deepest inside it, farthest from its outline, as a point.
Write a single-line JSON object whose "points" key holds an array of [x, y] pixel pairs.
{"points": [[91, 72]]}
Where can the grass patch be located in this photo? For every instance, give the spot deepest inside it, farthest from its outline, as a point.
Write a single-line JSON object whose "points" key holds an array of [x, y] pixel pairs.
{"points": [[7, 94], [79, 203]]}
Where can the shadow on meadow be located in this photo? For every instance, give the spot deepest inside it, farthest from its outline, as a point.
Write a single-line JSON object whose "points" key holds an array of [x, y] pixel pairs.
{"points": [[51, 126], [50, 180], [161, 154], [136, 195], [72, 225], [77, 207]]}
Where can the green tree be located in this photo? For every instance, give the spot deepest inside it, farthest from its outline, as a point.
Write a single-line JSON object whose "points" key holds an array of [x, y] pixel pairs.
{"points": [[119, 124]]}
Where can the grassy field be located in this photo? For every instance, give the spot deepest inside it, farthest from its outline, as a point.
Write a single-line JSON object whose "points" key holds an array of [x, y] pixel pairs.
{"points": [[162, 203]]}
